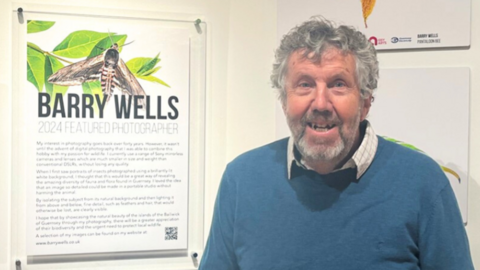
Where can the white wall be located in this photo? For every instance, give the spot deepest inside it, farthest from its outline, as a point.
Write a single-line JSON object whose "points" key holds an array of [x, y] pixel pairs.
{"points": [[240, 102]]}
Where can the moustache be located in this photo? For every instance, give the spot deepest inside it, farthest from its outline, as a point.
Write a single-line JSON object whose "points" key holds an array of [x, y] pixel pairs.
{"points": [[328, 119]]}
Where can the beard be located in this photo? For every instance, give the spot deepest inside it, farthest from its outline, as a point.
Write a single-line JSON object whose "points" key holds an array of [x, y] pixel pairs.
{"points": [[321, 149]]}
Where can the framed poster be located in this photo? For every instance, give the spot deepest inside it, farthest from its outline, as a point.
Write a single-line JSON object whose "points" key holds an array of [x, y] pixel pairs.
{"points": [[110, 130], [389, 25], [427, 108]]}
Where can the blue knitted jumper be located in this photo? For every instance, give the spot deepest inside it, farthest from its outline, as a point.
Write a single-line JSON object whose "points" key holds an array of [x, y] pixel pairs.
{"points": [[401, 214]]}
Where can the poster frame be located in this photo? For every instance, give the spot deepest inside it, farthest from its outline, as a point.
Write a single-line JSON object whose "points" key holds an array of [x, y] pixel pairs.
{"points": [[183, 259]]}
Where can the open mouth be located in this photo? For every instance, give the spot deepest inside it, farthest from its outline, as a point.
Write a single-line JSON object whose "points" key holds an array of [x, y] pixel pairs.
{"points": [[321, 128]]}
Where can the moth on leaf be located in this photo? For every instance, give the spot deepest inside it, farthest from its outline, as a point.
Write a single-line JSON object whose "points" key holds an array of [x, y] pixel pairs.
{"points": [[108, 67]]}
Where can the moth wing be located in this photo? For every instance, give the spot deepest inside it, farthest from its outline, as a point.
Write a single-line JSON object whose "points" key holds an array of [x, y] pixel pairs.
{"points": [[126, 81], [77, 73]]}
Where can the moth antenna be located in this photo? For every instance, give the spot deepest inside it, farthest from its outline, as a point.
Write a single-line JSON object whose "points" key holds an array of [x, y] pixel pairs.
{"points": [[110, 36], [127, 43]]}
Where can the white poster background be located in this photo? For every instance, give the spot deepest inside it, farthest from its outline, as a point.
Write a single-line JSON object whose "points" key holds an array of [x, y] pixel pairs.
{"points": [[427, 108], [402, 24], [135, 218]]}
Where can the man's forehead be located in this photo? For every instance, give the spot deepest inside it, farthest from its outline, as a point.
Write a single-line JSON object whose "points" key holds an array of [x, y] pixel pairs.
{"points": [[341, 58]]}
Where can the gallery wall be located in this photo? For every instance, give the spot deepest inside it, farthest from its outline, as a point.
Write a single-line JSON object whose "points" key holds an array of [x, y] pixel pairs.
{"points": [[241, 38]]}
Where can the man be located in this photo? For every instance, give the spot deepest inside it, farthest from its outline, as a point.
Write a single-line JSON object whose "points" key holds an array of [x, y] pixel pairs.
{"points": [[333, 195]]}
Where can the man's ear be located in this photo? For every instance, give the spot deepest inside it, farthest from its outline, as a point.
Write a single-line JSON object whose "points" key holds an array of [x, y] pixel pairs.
{"points": [[367, 103]]}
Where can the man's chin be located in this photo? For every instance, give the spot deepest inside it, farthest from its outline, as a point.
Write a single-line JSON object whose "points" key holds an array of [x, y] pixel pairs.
{"points": [[320, 152]]}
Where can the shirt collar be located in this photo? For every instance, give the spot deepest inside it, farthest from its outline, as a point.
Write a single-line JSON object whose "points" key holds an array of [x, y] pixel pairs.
{"points": [[361, 159]]}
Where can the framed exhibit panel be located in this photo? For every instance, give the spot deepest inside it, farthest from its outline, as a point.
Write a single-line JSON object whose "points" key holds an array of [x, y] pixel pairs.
{"points": [[426, 109], [407, 24], [108, 122]]}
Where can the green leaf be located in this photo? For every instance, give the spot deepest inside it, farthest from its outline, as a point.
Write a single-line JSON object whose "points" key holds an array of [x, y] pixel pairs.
{"points": [[35, 68], [135, 64], [106, 43], [52, 65], [35, 47], [144, 67], [141, 65], [149, 65], [151, 71], [79, 44], [38, 26], [93, 88], [153, 79]]}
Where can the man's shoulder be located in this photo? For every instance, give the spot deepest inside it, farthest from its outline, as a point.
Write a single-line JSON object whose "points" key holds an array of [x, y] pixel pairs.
{"points": [[406, 155], [412, 165]]}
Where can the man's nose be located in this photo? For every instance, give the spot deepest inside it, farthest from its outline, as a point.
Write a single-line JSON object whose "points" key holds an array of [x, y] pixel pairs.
{"points": [[321, 99]]}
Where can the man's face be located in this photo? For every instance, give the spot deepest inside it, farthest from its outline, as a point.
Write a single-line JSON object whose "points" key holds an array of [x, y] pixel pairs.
{"points": [[323, 105]]}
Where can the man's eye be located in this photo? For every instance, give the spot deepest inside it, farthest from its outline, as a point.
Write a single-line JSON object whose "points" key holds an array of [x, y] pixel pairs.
{"points": [[304, 85], [339, 84]]}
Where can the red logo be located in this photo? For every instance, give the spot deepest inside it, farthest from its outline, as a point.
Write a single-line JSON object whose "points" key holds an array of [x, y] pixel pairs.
{"points": [[377, 41]]}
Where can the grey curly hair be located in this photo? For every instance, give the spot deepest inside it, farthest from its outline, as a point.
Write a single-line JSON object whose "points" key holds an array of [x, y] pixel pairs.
{"points": [[316, 36]]}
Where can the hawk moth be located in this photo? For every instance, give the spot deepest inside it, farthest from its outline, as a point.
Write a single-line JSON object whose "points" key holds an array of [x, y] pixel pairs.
{"points": [[108, 67]]}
